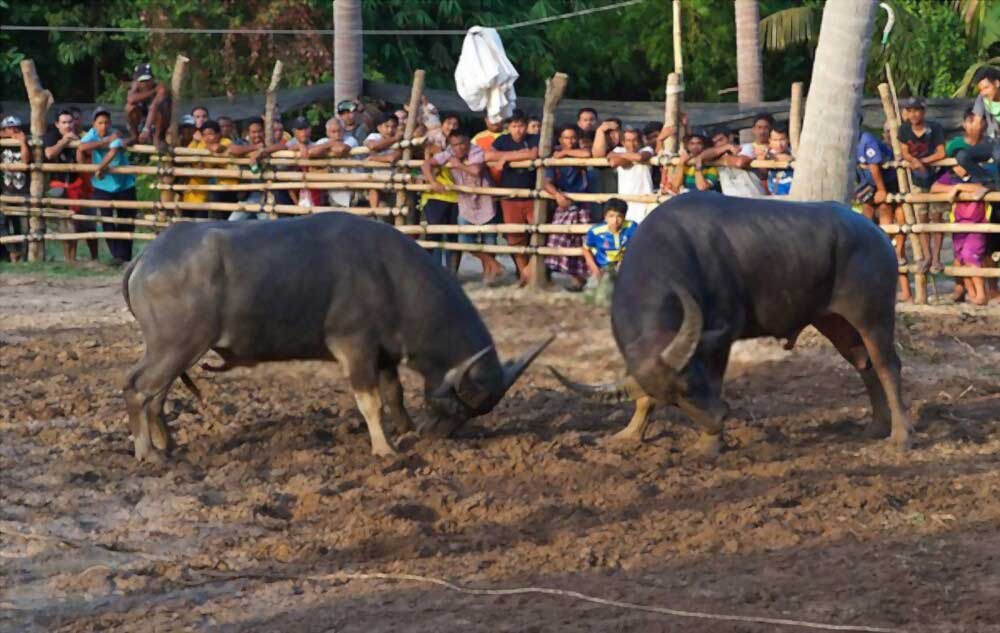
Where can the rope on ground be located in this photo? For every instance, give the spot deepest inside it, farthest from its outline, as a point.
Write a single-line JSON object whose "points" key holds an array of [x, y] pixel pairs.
{"points": [[345, 576]]}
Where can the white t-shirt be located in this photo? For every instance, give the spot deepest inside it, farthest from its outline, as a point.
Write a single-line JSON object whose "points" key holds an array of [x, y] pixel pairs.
{"points": [[341, 198], [637, 179]]}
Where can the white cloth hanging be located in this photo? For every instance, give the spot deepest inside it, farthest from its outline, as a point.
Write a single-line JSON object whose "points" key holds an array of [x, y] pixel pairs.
{"points": [[484, 77]]}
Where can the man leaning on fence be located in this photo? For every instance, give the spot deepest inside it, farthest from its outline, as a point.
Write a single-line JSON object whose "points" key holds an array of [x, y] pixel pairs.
{"points": [[70, 185], [108, 152], [987, 107], [922, 144]]}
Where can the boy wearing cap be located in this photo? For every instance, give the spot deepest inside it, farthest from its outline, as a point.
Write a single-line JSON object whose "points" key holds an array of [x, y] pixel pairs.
{"points": [[147, 107], [107, 150], [922, 144], [302, 141], [347, 112], [15, 183]]}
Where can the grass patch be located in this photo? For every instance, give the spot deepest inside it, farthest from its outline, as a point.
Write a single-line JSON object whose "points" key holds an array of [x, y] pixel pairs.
{"points": [[60, 269]]}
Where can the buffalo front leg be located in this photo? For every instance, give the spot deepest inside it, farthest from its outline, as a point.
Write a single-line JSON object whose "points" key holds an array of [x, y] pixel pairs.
{"points": [[370, 404], [636, 428], [392, 393]]}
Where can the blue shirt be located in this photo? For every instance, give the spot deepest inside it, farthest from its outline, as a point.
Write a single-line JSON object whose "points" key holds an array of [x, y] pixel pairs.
{"points": [[872, 151], [779, 182], [568, 179], [110, 182], [607, 247]]}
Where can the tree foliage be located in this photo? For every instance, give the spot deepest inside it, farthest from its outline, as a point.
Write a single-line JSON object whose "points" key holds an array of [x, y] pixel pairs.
{"points": [[620, 54]]}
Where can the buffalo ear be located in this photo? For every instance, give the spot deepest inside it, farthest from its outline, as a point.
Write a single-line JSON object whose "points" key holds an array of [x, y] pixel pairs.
{"points": [[714, 339]]}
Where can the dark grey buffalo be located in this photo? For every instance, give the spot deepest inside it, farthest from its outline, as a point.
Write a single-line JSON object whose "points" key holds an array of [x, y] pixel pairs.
{"points": [[326, 287], [705, 270]]}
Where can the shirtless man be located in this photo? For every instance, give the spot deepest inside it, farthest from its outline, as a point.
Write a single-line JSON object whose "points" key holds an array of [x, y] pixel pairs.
{"points": [[147, 106]]}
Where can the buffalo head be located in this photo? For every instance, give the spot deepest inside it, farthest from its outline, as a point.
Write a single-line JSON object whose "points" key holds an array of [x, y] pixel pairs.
{"points": [[473, 387]]}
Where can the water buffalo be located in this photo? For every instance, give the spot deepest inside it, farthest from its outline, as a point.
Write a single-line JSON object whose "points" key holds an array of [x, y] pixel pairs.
{"points": [[327, 287], [705, 270]]}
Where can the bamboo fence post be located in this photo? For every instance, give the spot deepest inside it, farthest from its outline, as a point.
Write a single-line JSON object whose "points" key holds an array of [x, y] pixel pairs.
{"points": [[405, 198], [554, 89], [672, 112], [270, 104], [678, 58], [919, 278], [795, 117], [40, 100], [166, 176]]}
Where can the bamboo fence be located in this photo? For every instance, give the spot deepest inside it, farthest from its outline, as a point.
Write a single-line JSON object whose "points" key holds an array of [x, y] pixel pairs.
{"points": [[287, 170]]}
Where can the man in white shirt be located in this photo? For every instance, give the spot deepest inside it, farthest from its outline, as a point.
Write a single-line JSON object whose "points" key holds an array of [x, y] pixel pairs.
{"points": [[335, 145], [634, 174]]}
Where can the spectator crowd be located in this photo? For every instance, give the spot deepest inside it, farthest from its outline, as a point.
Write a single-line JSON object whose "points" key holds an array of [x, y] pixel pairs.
{"points": [[453, 156]]}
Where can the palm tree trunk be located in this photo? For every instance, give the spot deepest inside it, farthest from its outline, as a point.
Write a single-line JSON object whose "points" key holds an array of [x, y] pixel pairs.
{"points": [[824, 169], [348, 54], [748, 65]]}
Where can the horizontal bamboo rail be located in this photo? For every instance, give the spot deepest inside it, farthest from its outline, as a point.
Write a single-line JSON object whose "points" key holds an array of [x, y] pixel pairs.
{"points": [[249, 207], [192, 151]]}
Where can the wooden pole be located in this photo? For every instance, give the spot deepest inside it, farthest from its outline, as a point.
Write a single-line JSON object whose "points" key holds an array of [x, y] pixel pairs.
{"points": [[40, 100], [672, 112], [795, 117], [176, 83], [405, 198], [919, 278], [678, 57], [270, 105], [554, 89]]}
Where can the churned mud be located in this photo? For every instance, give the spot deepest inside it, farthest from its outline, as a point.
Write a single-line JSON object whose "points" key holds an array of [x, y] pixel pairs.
{"points": [[272, 489]]}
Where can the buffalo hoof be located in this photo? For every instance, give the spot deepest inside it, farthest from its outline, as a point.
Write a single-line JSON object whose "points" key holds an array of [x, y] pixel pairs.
{"points": [[384, 450], [626, 436], [877, 430], [902, 441], [707, 447], [160, 436]]}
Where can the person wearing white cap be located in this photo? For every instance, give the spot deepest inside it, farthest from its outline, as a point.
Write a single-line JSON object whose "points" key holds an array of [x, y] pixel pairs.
{"points": [[147, 107], [15, 183]]}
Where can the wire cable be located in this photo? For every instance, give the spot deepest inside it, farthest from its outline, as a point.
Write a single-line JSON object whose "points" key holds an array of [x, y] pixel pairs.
{"points": [[255, 31]]}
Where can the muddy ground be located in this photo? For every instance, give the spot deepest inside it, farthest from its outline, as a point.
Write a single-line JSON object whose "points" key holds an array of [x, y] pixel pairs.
{"points": [[272, 488]]}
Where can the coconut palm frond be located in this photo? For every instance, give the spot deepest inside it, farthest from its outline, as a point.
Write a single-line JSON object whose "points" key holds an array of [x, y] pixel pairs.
{"points": [[789, 27], [965, 86]]}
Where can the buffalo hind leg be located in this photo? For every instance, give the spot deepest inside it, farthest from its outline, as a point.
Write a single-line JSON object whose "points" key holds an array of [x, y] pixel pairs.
{"points": [[392, 394], [888, 368], [145, 389], [370, 404], [850, 345], [636, 428]]}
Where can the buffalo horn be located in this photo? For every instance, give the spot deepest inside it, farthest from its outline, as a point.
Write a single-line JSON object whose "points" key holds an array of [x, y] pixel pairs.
{"points": [[453, 379], [621, 391], [682, 347], [513, 369]]}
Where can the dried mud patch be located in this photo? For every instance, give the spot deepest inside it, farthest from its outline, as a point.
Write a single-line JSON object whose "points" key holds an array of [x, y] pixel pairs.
{"points": [[272, 483]]}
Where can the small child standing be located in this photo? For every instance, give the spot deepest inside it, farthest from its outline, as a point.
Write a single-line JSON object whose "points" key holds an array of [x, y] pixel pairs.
{"points": [[779, 181], [970, 248], [605, 244]]}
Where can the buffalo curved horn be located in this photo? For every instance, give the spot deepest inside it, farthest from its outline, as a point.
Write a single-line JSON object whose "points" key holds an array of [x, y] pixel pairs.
{"points": [[622, 391], [453, 379], [514, 368], [682, 347]]}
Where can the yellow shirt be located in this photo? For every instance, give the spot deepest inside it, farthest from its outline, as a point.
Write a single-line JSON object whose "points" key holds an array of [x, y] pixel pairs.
{"points": [[445, 178], [202, 196]]}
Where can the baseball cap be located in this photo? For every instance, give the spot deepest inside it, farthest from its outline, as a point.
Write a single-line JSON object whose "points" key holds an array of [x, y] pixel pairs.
{"points": [[912, 103], [101, 110], [187, 119], [142, 72], [346, 106], [301, 123], [10, 121]]}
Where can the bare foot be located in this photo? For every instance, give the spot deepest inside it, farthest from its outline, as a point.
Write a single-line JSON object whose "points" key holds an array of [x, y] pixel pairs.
{"points": [[958, 294], [904, 298]]}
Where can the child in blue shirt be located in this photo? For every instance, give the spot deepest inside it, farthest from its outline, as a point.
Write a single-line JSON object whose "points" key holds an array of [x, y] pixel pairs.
{"points": [[605, 244], [779, 181]]}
